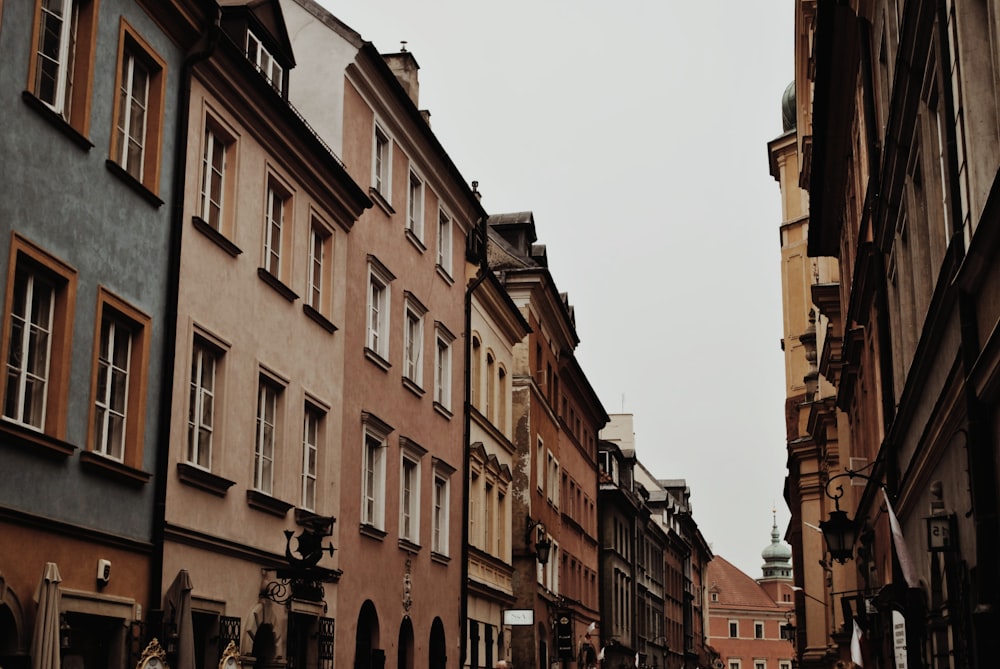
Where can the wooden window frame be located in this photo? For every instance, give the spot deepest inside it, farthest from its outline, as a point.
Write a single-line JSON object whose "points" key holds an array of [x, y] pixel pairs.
{"points": [[132, 44]]}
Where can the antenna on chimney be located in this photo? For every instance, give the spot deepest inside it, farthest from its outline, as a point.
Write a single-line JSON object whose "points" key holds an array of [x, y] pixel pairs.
{"points": [[402, 46]]}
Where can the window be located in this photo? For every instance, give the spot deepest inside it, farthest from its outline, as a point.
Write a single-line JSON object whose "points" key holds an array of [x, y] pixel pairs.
{"points": [[415, 207], [138, 115], [413, 341], [500, 420], [734, 664], [409, 495], [373, 472], [378, 308], [258, 54], [201, 403], [311, 425], [444, 242], [216, 183], [784, 664], [759, 664], [488, 517], [276, 212], [490, 386], [734, 629], [442, 368], [476, 372], [758, 630], [540, 464], [60, 72], [320, 267], [552, 485], [439, 531], [119, 385], [501, 547], [381, 162], [39, 304], [267, 431]]}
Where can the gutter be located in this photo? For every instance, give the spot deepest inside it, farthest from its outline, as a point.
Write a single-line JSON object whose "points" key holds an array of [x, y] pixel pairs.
{"points": [[210, 39]]}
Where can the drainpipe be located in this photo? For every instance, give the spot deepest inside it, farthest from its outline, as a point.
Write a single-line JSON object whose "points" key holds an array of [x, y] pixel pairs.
{"points": [[209, 40], [481, 275]]}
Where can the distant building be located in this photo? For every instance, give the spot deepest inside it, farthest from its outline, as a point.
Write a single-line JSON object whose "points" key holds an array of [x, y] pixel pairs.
{"points": [[750, 620]]}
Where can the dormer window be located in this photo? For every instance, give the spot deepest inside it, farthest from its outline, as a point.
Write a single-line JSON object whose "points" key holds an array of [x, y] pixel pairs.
{"points": [[265, 62]]}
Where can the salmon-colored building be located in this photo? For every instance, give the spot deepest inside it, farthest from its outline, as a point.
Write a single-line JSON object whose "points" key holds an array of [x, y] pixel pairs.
{"points": [[401, 519]]}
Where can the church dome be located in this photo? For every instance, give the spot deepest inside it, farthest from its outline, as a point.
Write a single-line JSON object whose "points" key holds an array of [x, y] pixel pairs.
{"points": [[777, 555], [788, 110]]}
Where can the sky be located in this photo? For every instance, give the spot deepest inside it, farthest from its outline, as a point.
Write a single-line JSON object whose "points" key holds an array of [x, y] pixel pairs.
{"points": [[636, 131]]}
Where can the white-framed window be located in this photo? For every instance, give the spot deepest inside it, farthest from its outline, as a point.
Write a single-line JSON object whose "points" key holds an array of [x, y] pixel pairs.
{"points": [[258, 54], [381, 161], [441, 504], [29, 346], [444, 235], [442, 366], [734, 629], [413, 340], [734, 664], [540, 463], [758, 629], [276, 209], [490, 399], [378, 308], [201, 403], [214, 179], [133, 101], [55, 53], [373, 472], [265, 443], [111, 405], [312, 423], [552, 485], [784, 664], [489, 517], [415, 206], [409, 491], [320, 278], [759, 664], [501, 543], [500, 421]]}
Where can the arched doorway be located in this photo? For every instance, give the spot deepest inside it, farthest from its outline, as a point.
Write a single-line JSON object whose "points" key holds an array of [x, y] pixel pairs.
{"points": [[367, 654], [404, 647], [437, 653]]}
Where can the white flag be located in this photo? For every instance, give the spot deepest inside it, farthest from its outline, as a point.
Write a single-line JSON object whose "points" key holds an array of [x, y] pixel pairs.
{"points": [[856, 645], [905, 563]]}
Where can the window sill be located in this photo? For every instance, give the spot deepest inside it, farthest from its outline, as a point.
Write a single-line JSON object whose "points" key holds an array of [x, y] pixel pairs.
{"points": [[277, 284], [264, 502], [408, 546], [38, 442], [444, 274], [372, 532], [413, 387], [133, 183], [440, 558], [223, 242], [322, 320], [99, 464], [305, 517], [377, 359], [204, 479], [380, 200], [443, 410], [414, 239], [61, 124]]}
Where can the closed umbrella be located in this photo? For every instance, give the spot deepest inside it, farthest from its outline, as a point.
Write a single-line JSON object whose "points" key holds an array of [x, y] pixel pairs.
{"points": [[45, 640], [177, 609]]}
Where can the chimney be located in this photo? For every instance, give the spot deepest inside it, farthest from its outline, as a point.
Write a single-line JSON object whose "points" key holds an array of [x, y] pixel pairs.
{"points": [[405, 67]]}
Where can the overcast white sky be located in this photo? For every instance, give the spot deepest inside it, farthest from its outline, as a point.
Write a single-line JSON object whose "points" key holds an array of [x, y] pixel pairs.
{"points": [[636, 132]]}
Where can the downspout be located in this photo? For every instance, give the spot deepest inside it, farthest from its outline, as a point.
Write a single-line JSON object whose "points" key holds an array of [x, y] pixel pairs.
{"points": [[984, 646], [483, 272], [209, 39]]}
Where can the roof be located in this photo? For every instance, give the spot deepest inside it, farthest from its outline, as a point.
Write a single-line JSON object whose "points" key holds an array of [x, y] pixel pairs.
{"points": [[735, 589]]}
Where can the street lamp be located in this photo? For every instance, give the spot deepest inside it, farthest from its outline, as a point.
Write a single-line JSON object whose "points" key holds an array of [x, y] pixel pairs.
{"points": [[542, 543], [840, 531]]}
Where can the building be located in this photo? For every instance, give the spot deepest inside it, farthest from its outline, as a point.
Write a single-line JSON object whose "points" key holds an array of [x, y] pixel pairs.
{"points": [[899, 149], [496, 327], [556, 417], [91, 148], [816, 428], [749, 619], [653, 560], [255, 467], [404, 451]]}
